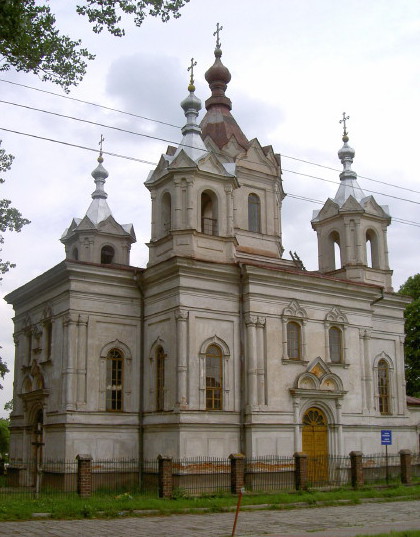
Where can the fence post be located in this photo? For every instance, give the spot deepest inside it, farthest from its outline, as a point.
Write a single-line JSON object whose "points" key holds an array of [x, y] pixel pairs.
{"points": [[406, 470], [356, 460], [84, 475], [165, 476], [301, 470], [237, 472]]}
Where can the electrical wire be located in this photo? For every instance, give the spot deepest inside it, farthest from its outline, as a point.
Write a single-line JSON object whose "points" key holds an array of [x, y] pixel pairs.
{"points": [[89, 103], [95, 150], [119, 129], [178, 127]]}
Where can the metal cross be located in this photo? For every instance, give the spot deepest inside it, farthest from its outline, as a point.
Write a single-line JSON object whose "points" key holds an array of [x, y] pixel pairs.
{"points": [[217, 32], [191, 68], [101, 141], [344, 121]]}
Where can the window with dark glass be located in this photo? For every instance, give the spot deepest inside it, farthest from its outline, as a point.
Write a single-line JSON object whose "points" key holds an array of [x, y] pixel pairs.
{"points": [[254, 213], [107, 255], [294, 341], [160, 379], [335, 344], [214, 378], [383, 387], [114, 376], [48, 339]]}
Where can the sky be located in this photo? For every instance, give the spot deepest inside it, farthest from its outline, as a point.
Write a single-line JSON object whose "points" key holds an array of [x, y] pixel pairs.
{"points": [[296, 66]]}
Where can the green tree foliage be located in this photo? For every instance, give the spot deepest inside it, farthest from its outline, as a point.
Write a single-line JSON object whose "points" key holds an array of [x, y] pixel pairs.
{"points": [[4, 438], [412, 329], [10, 220], [31, 42]]}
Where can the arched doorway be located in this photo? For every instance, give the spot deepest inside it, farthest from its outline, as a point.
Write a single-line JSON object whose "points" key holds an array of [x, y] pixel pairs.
{"points": [[315, 443]]}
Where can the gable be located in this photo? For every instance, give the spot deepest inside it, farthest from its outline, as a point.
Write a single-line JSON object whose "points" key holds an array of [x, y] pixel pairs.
{"points": [[256, 160]]}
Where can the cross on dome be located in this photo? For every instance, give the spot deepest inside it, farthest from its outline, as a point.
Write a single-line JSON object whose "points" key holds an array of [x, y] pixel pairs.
{"points": [[345, 133], [217, 33], [191, 86]]}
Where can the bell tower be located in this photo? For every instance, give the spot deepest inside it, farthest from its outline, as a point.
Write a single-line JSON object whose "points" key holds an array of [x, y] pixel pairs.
{"points": [[98, 237], [352, 229]]}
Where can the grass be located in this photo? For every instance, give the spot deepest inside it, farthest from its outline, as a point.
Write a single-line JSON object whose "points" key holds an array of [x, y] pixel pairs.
{"points": [[60, 506], [408, 533]]}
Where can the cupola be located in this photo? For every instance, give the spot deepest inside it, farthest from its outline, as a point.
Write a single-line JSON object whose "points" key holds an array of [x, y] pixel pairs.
{"points": [[97, 237]]}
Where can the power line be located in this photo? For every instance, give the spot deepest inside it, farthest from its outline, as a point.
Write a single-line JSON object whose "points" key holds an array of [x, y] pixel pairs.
{"points": [[90, 103], [358, 175], [95, 150], [178, 127], [119, 129], [366, 189]]}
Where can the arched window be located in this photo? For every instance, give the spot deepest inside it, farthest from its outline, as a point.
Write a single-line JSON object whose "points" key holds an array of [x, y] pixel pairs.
{"points": [[372, 253], [294, 341], [160, 379], [107, 255], [254, 213], [114, 380], [75, 254], [335, 337], [334, 251], [383, 387], [166, 213], [209, 213], [214, 378]]}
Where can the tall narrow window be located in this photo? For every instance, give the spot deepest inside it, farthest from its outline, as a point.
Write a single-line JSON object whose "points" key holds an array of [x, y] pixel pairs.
{"points": [[166, 213], [214, 378], [48, 339], [335, 344], [209, 213], [383, 387], [372, 251], [160, 379], [254, 213], [107, 255], [294, 341], [114, 376]]}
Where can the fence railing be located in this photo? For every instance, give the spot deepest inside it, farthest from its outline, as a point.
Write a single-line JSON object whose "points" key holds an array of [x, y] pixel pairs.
{"points": [[169, 477]]}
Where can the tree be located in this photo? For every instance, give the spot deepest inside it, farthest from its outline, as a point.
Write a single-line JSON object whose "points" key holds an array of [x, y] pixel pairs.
{"points": [[10, 220], [412, 339], [30, 41], [4, 438]]}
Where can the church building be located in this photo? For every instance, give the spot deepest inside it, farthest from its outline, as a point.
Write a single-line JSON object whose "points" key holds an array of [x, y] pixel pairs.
{"points": [[220, 344]]}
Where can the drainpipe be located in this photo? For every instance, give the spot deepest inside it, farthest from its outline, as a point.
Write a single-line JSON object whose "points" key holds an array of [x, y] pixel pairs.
{"points": [[242, 432], [139, 281]]}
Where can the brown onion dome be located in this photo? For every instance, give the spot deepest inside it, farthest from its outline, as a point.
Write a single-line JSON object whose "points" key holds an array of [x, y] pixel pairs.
{"points": [[218, 77]]}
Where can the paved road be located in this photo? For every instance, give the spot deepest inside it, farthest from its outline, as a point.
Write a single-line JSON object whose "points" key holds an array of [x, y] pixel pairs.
{"points": [[342, 521]]}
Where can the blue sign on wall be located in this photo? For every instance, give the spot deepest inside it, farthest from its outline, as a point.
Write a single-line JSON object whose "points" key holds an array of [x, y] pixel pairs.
{"points": [[386, 437]]}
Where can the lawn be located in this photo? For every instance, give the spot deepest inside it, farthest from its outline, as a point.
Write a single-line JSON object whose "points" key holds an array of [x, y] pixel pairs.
{"points": [[70, 506]]}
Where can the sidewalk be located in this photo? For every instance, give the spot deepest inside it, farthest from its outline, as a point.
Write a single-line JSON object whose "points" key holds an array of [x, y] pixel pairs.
{"points": [[342, 521]]}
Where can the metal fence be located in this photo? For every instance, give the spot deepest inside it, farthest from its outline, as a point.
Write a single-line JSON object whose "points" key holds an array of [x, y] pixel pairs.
{"points": [[329, 472], [379, 468], [198, 476], [270, 473], [202, 475]]}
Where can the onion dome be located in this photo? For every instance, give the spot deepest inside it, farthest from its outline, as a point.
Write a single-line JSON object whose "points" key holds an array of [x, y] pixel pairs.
{"points": [[191, 143], [348, 178], [218, 77], [99, 209], [218, 123]]}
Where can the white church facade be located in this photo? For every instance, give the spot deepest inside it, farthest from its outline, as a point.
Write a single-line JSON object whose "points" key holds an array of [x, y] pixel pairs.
{"points": [[220, 345]]}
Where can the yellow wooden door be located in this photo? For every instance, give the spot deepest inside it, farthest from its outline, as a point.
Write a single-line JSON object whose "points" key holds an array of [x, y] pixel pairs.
{"points": [[315, 444]]}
